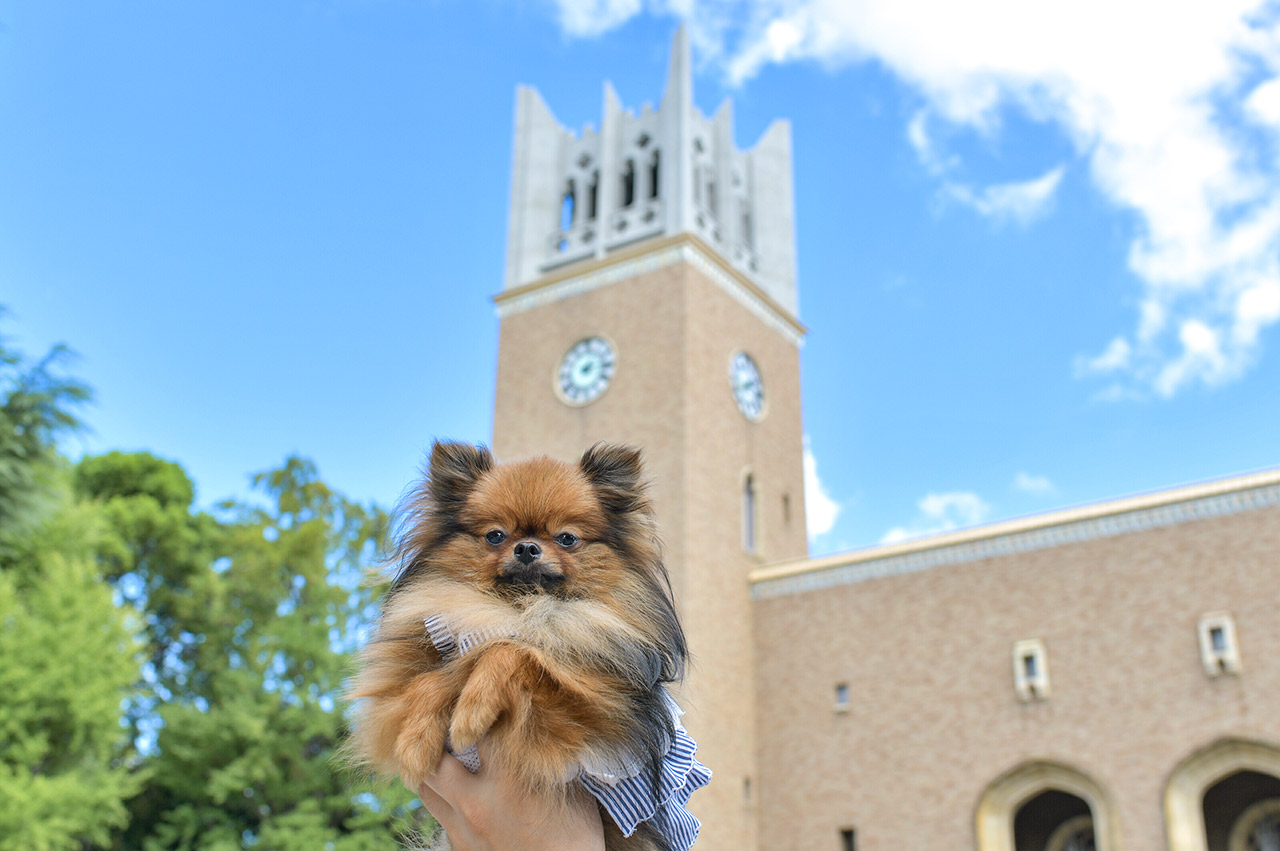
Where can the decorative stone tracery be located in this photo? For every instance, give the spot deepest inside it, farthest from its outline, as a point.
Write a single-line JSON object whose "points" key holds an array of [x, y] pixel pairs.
{"points": [[658, 173]]}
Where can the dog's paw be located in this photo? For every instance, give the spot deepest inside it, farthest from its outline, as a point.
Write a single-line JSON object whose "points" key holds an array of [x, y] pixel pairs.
{"points": [[419, 748], [473, 717], [496, 688]]}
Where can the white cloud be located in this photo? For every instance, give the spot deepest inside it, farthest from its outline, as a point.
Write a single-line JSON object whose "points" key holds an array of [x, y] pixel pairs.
{"points": [[1020, 203], [1263, 103], [821, 510], [1028, 483], [592, 17], [1114, 357], [1201, 356], [941, 512], [1175, 108], [922, 143]]}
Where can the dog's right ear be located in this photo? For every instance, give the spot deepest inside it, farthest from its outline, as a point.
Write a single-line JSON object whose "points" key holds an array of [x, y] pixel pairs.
{"points": [[453, 472], [617, 473]]}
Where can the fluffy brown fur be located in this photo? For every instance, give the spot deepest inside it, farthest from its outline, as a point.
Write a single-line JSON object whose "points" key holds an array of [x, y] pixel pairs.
{"points": [[594, 632]]}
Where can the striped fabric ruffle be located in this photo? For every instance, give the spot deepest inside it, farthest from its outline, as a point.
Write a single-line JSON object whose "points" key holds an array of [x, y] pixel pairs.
{"points": [[630, 797]]}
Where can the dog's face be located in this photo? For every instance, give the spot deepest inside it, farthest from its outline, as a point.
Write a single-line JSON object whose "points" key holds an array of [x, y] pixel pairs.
{"points": [[538, 526]]}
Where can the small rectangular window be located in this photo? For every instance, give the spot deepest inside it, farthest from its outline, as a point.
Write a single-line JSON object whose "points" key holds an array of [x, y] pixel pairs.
{"points": [[842, 697], [1030, 670], [1219, 651], [848, 839]]}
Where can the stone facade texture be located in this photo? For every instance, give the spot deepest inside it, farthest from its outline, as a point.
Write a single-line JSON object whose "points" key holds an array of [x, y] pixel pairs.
{"points": [[933, 719]]}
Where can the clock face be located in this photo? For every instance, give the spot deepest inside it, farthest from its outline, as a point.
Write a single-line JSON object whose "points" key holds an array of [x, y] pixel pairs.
{"points": [[748, 387], [586, 370]]}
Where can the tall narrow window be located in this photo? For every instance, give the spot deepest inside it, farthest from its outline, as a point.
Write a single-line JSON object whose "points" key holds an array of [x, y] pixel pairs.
{"points": [[711, 198], [629, 184], [1218, 648], [1030, 670], [749, 513], [654, 173], [566, 207], [593, 193], [746, 225], [848, 840]]}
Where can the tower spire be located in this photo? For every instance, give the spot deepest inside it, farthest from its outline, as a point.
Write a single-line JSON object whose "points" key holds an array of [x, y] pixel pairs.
{"points": [[657, 174], [677, 110], [679, 71]]}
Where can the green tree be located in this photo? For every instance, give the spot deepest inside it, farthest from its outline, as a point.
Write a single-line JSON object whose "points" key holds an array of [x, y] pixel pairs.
{"points": [[66, 661], [37, 404], [249, 623], [66, 653], [170, 678]]}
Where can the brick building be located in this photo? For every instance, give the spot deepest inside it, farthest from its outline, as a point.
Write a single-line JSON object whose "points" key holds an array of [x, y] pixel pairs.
{"points": [[1102, 677]]}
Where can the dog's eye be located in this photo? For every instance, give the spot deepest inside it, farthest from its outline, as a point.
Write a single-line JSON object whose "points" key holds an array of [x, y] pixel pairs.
{"points": [[497, 536], [566, 539]]}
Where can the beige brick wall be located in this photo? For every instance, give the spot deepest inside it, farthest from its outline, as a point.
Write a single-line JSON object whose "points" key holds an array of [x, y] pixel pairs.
{"points": [[934, 718], [722, 446]]}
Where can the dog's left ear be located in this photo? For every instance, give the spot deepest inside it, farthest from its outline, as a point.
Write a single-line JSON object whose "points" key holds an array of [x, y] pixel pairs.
{"points": [[617, 473], [453, 472]]}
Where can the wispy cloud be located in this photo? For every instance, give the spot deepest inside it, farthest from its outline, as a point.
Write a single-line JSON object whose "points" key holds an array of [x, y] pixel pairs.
{"points": [[1019, 203], [593, 17], [1116, 356], [1174, 109], [926, 147], [821, 510], [1037, 485], [941, 512]]}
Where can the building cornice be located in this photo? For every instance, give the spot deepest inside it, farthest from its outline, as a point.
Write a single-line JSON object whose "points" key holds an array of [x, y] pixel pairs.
{"points": [[1082, 523], [650, 256]]}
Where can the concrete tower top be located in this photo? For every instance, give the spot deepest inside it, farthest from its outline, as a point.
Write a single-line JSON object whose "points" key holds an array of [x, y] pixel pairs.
{"points": [[659, 173]]}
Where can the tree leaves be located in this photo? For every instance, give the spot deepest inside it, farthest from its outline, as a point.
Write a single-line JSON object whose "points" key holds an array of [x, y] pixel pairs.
{"points": [[171, 678]]}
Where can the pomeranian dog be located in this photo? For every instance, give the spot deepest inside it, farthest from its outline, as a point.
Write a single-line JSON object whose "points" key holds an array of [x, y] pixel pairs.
{"points": [[531, 608]]}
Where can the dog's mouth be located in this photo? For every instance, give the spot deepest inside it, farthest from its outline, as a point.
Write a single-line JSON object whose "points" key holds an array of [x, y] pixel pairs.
{"points": [[532, 578]]}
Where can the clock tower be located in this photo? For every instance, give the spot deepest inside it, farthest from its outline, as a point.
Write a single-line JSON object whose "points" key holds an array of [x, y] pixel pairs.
{"points": [[650, 298]]}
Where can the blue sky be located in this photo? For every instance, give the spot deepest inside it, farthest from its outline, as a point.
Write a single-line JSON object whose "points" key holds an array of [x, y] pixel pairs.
{"points": [[1038, 247]]}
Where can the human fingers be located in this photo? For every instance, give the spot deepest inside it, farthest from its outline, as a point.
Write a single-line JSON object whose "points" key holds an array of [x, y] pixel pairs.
{"points": [[448, 783], [449, 795], [434, 802]]}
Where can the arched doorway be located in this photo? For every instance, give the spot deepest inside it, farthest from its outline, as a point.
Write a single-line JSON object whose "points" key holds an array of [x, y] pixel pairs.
{"points": [[1242, 813], [1225, 797], [1053, 821], [1044, 806]]}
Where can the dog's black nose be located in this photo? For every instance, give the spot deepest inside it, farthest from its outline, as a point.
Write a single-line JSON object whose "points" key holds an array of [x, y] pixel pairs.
{"points": [[527, 551]]}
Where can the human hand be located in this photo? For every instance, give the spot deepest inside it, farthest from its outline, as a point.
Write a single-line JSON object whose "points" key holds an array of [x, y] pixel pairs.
{"points": [[490, 811]]}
